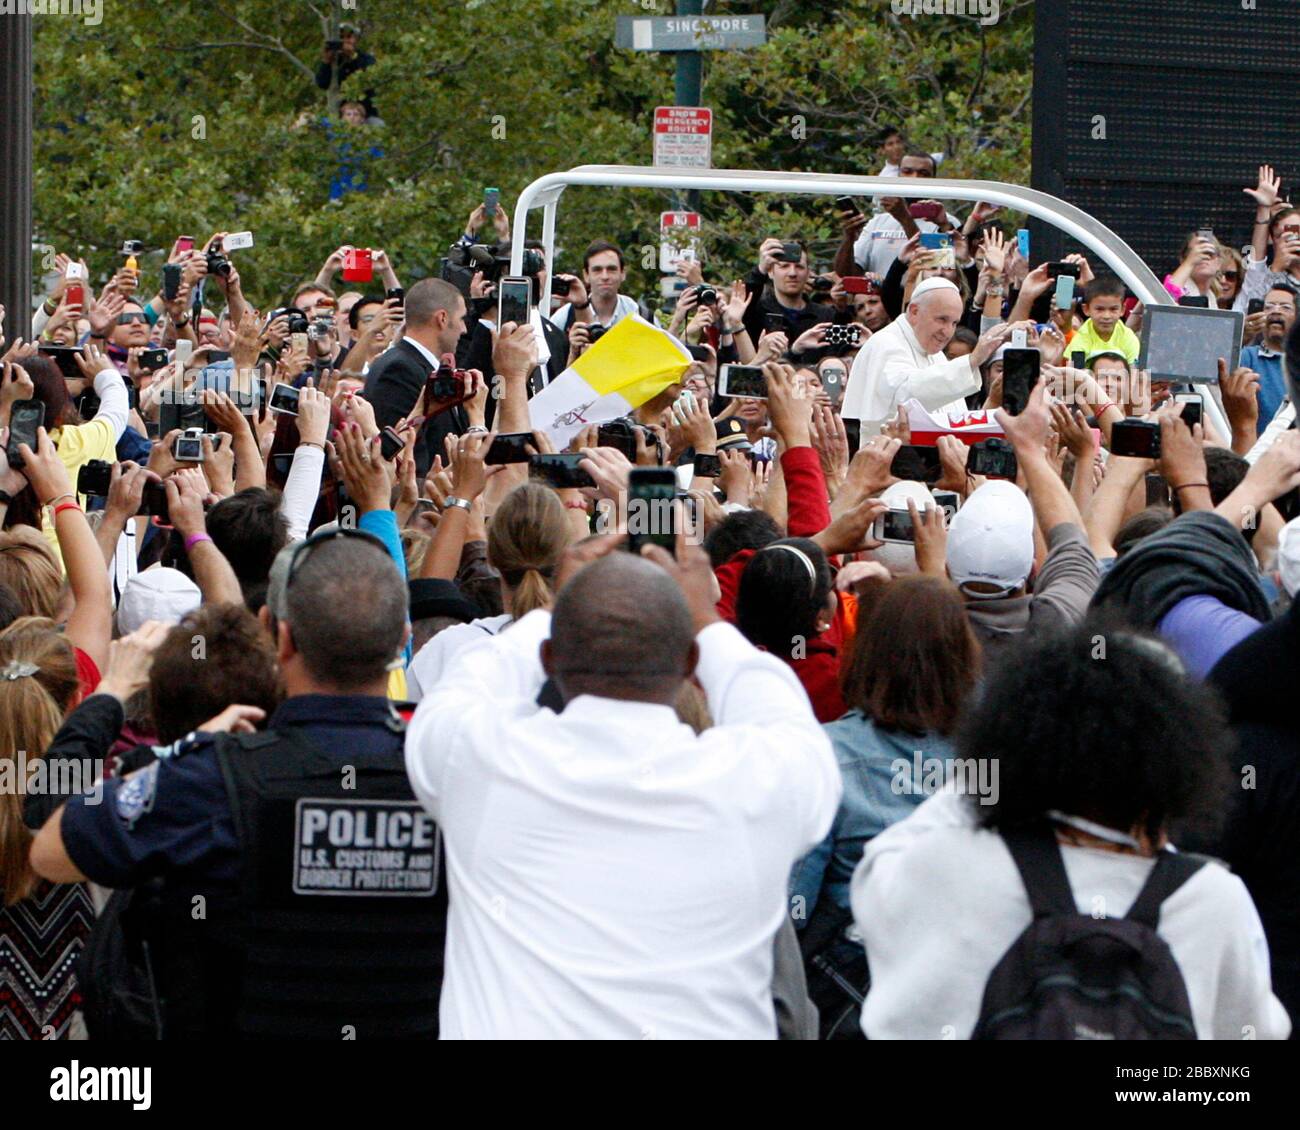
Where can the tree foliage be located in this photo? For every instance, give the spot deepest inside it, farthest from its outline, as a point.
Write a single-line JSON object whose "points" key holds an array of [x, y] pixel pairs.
{"points": [[196, 117]]}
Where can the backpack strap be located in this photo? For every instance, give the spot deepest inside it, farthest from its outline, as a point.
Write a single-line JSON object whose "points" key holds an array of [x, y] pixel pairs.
{"points": [[1042, 870], [1172, 870]]}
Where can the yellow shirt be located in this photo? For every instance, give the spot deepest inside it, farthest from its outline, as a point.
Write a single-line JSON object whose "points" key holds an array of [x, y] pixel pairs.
{"points": [[77, 446], [1123, 339]]}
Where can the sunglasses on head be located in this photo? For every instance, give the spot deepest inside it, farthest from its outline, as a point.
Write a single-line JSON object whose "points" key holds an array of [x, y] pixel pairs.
{"points": [[131, 316]]}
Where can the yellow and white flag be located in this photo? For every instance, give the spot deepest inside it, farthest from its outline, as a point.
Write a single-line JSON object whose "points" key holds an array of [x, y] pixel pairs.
{"points": [[631, 363]]}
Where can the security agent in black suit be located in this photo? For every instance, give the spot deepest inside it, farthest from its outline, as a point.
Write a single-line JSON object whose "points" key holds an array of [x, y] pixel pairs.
{"points": [[435, 322], [476, 348]]}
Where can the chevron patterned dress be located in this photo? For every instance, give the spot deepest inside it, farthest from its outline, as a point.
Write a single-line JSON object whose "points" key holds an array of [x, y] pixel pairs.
{"points": [[40, 940]]}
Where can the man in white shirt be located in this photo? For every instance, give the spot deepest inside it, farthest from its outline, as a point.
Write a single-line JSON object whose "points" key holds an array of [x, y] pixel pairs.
{"points": [[885, 234], [612, 874], [905, 360]]}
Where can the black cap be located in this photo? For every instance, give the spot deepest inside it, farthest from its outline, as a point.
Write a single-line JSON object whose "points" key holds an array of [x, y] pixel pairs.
{"points": [[731, 435], [433, 596]]}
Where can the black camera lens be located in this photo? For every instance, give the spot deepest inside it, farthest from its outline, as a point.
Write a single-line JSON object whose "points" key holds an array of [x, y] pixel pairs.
{"points": [[595, 332], [706, 296]]}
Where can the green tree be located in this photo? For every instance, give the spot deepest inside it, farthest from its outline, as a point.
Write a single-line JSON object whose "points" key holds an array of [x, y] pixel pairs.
{"points": [[202, 117]]}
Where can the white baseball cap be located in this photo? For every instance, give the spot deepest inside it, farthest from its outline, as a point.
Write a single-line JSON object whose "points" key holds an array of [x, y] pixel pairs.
{"points": [[156, 594], [991, 540]]}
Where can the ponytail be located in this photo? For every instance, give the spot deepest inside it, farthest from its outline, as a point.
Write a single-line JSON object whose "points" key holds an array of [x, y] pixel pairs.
{"points": [[525, 540], [532, 592]]}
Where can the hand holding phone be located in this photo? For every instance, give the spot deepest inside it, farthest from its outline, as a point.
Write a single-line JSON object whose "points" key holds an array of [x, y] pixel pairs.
{"points": [[560, 469], [748, 381], [514, 300], [1020, 373], [25, 417], [511, 447], [652, 508], [358, 265]]}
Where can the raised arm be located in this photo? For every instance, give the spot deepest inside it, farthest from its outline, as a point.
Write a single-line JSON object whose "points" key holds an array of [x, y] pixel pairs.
{"points": [[186, 491], [1027, 433], [1109, 502], [90, 624], [790, 404], [469, 478], [1265, 194]]}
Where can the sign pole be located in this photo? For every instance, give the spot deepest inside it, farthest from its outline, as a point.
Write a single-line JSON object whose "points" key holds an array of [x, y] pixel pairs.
{"points": [[688, 91], [16, 171]]}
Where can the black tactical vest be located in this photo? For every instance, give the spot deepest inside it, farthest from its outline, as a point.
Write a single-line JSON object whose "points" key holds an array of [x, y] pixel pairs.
{"points": [[343, 903]]}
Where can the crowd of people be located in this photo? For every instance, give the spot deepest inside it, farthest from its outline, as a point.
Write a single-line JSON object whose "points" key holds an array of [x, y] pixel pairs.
{"points": [[320, 719]]}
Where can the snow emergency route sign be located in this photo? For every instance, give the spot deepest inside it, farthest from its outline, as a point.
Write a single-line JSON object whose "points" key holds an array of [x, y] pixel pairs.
{"points": [[683, 137]]}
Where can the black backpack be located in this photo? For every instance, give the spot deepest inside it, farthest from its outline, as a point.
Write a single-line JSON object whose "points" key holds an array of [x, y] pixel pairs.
{"points": [[1073, 977], [115, 972]]}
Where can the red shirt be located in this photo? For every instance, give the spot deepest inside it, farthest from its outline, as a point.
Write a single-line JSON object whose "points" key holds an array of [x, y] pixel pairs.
{"points": [[87, 673], [808, 513]]}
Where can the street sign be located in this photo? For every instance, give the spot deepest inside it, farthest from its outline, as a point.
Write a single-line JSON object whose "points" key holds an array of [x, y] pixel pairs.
{"points": [[690, 33], [683, 137], [670, 220], [676, 238]]}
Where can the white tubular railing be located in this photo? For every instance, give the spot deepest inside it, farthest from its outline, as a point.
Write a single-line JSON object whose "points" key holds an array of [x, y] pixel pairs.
{"points": [[545, 193]]}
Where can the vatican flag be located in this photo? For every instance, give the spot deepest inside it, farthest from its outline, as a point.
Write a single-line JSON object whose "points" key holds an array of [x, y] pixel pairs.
{"points": [[631, 363]]}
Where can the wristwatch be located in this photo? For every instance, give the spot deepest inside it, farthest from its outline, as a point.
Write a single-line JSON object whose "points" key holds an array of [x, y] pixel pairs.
{"points": [[182, 322], [582, 305], [463, 503]]}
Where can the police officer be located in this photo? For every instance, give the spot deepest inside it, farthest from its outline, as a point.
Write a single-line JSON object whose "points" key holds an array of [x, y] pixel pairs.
{"points": [[302, 885]]}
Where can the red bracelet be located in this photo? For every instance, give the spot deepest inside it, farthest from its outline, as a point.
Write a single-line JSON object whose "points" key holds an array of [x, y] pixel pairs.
{"points": [[194, 539], [65, 506]]}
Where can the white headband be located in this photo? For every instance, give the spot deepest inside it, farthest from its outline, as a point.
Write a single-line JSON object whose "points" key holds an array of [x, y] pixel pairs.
{"points": [[799, 553]]}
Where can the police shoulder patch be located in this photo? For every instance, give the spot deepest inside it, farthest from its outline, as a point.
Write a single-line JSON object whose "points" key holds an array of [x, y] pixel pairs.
{"points": [[135, 795], [192, 742]]}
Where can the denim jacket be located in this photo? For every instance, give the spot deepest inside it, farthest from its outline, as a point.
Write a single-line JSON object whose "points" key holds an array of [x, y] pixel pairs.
{"points": [[885, 774]]}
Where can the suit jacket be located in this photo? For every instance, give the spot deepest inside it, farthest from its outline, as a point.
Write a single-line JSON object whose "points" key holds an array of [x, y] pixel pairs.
{"points": [[394, 386], [475, 352]]}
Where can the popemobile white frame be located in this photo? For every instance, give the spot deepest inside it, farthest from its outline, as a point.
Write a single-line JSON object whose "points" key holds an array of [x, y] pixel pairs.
{"points": [[545, 193]]}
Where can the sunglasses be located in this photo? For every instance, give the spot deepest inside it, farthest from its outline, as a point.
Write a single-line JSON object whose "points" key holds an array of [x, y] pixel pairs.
{"points": [[127, 319], [1231, 274]]}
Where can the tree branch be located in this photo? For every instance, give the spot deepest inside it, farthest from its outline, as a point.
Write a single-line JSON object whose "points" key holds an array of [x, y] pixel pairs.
{"points": [[269, 43]]}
